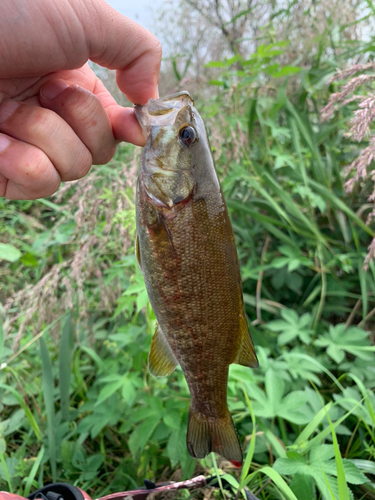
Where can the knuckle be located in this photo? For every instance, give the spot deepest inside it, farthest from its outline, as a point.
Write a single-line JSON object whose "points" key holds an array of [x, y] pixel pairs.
{"points": [[104, 155], [50, 189], [84, 107], [40, 120], [77, 167], [157, 48], [40, 176], [36, 165], [83, 166]]}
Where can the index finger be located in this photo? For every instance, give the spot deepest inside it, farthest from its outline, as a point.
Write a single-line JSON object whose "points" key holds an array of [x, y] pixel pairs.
{"points": [[124, 123]]}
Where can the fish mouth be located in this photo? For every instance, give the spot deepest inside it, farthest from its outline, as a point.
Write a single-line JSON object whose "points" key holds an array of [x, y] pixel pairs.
{"points": [[161, 112]]}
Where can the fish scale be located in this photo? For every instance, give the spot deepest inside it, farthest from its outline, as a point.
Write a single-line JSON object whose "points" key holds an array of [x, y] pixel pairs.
{"points": [[186, 250]]}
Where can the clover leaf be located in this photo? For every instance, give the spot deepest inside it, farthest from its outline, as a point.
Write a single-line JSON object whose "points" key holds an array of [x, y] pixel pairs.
{"points": [[353, 340], [292, 326]]}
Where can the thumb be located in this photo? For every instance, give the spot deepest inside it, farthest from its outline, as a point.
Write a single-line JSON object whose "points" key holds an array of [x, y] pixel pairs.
{"points": [[119, 43]]}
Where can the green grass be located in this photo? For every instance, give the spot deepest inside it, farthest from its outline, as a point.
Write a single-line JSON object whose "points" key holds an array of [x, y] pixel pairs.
{"points": [[80, 406]]}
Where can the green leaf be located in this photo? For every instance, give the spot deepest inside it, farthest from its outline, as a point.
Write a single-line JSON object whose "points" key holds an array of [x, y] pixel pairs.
{"points": [[142, 300], [272, 403], [292, 464], [286, 71], [352, 340], [135, 288], [352, 474], [9, 252], [128, 390], [292, 327], [172, 419], [322, 453], [303, 487], [109, 389], [142, 434], [176, 446], [366, 466], [29, 415]]}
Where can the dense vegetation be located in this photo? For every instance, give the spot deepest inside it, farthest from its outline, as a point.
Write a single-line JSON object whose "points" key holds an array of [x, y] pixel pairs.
{"points": [[77, 402]]}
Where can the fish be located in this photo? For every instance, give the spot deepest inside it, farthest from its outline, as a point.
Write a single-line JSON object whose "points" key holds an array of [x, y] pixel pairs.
{"points": [[185, 248]]}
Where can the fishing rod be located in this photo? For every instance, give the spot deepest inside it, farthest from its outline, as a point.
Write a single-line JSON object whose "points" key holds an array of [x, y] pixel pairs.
{"points": [[63, 491]]}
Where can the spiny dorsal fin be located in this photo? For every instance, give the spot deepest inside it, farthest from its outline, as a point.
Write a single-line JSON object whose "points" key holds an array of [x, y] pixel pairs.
{"points": [[246, 354], [137, 251], [161, 360]]}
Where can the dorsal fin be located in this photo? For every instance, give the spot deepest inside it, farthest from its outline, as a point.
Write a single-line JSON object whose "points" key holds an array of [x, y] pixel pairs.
{"points": [[161, 360]]}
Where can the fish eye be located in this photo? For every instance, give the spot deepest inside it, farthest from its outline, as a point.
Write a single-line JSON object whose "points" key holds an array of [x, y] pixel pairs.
{"points": [[187, 135]]}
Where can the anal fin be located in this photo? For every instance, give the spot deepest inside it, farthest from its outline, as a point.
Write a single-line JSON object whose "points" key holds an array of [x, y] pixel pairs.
{"points": [[246, 354], [161, 360]]}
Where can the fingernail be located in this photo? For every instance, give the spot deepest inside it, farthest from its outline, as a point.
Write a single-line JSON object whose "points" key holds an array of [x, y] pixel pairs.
{"points": [[53, 89], [7, 109], [4, 142]]}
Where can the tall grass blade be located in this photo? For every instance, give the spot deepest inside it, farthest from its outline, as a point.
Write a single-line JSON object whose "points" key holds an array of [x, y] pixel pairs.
{"points": [[252, 115], [276, 478], [341, 480], [250, 452], [65, 364], [217, 474], [34, 339], [363, 283], [327, 194], [365, 395], [277, 445], [325, 432], [48, 386], [6, 472], [321, 367], [313, 425], [307, 133], [1, 338], [33, 472]]}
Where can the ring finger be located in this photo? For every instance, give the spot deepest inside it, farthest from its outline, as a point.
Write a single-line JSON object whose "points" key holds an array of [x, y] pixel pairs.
{"points": [[45, 130], [26, 173]]}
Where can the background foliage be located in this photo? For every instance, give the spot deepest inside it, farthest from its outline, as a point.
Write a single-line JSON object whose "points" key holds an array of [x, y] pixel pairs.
{"points": [[77, 402]]}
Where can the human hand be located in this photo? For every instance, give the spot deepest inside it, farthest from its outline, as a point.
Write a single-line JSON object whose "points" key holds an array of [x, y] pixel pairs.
{"points": [[56, 117]]}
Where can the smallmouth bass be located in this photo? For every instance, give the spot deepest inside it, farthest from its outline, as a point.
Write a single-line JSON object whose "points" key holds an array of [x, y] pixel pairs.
{"points": [[185, 248]]}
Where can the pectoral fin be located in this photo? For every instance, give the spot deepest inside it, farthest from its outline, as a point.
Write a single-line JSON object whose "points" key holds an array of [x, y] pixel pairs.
{"points": [[246, 354], [137, 251], [161, 360]]}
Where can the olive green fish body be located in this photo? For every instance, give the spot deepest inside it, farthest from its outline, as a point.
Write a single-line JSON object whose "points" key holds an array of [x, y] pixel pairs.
{"points": [[187, 253]]}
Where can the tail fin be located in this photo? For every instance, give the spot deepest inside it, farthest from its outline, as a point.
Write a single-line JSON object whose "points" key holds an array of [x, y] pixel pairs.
{"points": [[206, 434]]}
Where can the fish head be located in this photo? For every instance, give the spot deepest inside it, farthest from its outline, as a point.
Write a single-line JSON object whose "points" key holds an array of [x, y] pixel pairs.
{"points": [[172, 128]]}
